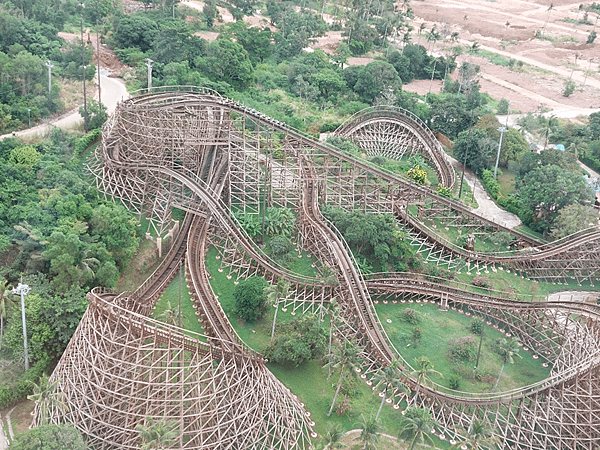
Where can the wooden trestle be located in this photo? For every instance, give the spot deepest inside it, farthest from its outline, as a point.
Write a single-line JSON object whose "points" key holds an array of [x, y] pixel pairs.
{"points": [[210, 156]]}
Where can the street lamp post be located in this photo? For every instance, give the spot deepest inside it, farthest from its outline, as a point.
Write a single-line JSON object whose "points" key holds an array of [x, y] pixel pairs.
{"points": [[23, 290], [85, 112], [29, 116], [502, 130], [149, 64]]}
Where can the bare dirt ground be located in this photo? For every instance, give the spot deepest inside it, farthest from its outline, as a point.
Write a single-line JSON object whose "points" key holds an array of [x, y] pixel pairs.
{"points": [[508, 27]]}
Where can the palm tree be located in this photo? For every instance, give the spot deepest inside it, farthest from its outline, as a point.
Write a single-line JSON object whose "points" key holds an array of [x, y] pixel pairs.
{"points": [[508, 350], [170, 315], [416, 426], [550, 8], [333, 311], [345, 360], [158, 435], [275, 293], [390, 379], [370, 429], [47, 398], [332, 437], [479, 435], [424, 368]]}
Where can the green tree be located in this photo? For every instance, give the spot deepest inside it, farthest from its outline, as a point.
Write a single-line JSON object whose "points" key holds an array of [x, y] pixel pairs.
{"points": [[158, 435], [25, 155], [450, 115], [275, 293], [227, 61], [548, 189], [333, 311], [47, 398], [574, 218], [389, 379], [298, 341], [332, 437], [250, 298], [345, 360], [136, 30], [170, 315], [508, 350], [96, 114], [370, 429], [514, 145], [53, 437], [474, 147], [374, 78], [479, 435], [416, 426], [423, 370]]}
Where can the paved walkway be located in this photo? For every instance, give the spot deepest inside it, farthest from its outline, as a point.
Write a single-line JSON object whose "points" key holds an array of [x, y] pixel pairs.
{"points": [[113, 91], [574, 296], [487, 208]]}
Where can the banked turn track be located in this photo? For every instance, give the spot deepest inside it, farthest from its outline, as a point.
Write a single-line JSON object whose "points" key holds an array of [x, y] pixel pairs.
{"points": [[192, 149]]}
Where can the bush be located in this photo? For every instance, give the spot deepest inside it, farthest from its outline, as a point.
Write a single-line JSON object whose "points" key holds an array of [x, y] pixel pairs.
{"points": [[569, 88], [250, 298], [476, 326], [434, 273], [490, 184], [24, 385], [443, 191], [417, 333], [454, 382], [85, 141], [484, 282], [462, 349], [411, 316]]}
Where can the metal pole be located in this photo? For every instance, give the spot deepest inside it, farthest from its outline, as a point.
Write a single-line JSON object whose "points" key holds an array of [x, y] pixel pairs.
{"points": [[23, 290], [149, 64], [501, 130], [98, 59], [29, 116], [50, 66], [85, 113], [480, 341]]}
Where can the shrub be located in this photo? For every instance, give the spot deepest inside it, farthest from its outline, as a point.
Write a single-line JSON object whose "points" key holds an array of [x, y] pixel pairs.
{"points": [[462, 349], [434, 273], [411, 316], [490, 184], [443, 191], [476, 326], [484, 282], [418, 174], [85, 141], [454, 382], [569, 88], [343, 407], [416, 334], [250, 298]]}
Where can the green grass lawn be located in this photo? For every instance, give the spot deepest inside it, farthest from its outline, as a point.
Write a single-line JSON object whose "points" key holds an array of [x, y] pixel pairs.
{"points": [[440, 328]]}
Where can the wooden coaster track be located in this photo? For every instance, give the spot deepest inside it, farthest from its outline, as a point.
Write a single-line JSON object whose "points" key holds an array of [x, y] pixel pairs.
{"points": [[207, 155]]}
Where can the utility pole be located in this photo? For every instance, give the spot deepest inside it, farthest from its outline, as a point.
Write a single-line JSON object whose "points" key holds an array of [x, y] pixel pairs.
{"points": [[29, 116], [501, 130], [49, 66], [98, 59], [23, 290], [149, 64], [85, 112]]}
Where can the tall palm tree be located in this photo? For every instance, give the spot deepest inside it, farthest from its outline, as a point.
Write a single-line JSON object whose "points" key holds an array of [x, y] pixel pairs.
{"points": [[508, 350], [275, 293], [332, 437], [423, 370], [416, 426], [158, 435], [47, 398], [346, 361], [333, 311], [550, 8], [389, 378], [479, 435], [370, 429], [170, 315]]}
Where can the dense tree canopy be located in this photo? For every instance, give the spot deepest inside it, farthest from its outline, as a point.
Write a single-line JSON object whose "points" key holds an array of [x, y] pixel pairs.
{"points": [[251, 298], [50, 437]]}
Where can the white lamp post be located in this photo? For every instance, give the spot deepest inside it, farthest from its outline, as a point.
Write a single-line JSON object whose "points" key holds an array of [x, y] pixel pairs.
{"points": [[23, 290]]}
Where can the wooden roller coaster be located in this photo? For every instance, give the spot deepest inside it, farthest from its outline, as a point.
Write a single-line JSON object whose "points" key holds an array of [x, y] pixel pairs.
{"points": [[192, 149]]}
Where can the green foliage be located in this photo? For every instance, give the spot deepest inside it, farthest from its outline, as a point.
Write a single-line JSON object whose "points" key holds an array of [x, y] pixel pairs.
{"points": [[454, 382], [26, 156], [591, 37], [450, 115], [53, 437], [438, 274], [158, 435], [85, 141], [490, 184], [480, 281], [502, 107], [547, 189], [376, 236], [135, 30], [96, 114], [474, 147], [298, 341], [416, 426], [574, 218], [569, 88], [462, 349], [411, 316], [443, 191], [10, 394], [476, 326], [250, 298]]}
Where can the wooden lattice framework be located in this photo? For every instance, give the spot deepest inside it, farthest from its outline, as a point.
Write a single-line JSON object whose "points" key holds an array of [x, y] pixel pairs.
{"points": [[211, 157]]}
